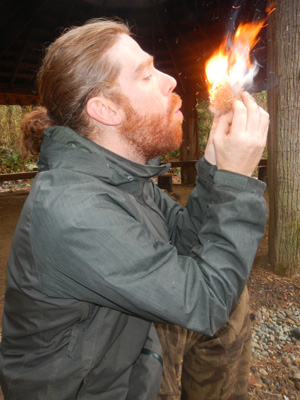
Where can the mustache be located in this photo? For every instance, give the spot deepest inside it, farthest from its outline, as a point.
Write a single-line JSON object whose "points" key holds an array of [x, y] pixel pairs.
{"points": [[175, 103]]}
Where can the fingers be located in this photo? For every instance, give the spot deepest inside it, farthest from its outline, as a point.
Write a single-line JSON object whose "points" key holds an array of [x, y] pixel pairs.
{"points": [[253, 112], [250, 118], [240, 137], [264, 125], [257, 120], [240, 117]]}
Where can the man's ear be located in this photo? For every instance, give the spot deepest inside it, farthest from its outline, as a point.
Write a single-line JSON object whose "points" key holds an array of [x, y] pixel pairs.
{"points": [[104, 111]]}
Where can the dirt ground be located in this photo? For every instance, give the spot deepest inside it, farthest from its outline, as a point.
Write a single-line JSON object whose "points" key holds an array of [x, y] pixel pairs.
{"points": [[10, 207], [261, 280]]}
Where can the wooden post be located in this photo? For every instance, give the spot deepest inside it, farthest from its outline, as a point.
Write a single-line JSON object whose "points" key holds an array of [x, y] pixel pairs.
{"points": [[284, 138], [190, 143]]}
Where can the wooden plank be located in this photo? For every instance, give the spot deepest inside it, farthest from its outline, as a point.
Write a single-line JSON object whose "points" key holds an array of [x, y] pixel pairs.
{"points": [[263, 162], [18, 99], [175, 164], [17, 176]]}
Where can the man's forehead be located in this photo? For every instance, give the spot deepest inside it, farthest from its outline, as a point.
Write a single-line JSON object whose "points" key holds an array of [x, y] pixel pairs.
{"points": [[131, 56]]}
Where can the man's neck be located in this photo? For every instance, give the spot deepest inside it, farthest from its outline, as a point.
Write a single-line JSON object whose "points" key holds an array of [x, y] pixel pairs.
{"points": [[115, 143]]}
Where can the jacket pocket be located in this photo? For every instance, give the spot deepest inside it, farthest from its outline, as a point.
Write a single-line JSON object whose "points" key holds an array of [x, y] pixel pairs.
{"points": [[145, 378], [77, 329]]}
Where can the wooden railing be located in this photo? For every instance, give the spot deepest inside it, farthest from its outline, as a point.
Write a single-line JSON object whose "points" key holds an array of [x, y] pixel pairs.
{"points": [[29, 175], [263, 163], [175, 164], [17, 176]]}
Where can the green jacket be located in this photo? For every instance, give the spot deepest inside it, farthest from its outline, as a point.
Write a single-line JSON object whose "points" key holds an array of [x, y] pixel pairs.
{"points": [[100, 253]]}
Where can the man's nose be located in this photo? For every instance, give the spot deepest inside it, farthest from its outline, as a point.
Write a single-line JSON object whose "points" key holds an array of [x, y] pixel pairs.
{"points": [[168, 84]]}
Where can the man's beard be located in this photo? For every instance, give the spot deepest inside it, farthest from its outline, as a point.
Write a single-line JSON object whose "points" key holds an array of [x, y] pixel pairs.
{"points": [[154, 134]]}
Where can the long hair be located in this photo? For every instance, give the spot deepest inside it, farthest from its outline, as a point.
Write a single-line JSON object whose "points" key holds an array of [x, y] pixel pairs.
{"points": [[75, 68]]}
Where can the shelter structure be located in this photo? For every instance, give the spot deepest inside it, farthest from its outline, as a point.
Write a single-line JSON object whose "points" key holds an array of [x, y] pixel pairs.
{"points": [[180, 34]]}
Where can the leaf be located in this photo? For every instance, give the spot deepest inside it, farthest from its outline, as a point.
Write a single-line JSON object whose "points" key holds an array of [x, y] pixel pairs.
{"points": [[289, 348], [253, 381], [275, 362]]}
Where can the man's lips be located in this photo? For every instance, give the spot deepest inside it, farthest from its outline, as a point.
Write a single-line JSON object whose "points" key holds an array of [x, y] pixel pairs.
{"points": [[178, 106], [175, 105], [177, 109]]}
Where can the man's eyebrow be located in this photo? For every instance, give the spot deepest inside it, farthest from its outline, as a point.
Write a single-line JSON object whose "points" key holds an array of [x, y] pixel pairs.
{"points": [[143, 65]]}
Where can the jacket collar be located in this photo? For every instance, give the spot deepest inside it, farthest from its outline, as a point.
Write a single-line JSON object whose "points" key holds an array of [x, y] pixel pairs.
{"points": [[64, 148]]}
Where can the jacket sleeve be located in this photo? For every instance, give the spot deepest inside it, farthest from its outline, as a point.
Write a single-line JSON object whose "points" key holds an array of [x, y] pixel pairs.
{"points": [[184, 225], [95, 248]]}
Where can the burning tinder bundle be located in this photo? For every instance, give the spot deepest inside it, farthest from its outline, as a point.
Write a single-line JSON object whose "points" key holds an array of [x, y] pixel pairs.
{"points": [[229, 70], [222, 99]]}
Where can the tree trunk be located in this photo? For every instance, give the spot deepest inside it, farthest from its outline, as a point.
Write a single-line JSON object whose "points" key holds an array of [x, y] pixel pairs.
{"points": [[284, 137]]}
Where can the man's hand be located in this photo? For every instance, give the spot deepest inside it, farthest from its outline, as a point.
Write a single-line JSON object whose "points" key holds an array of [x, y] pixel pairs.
{"points": [[239, 138]]}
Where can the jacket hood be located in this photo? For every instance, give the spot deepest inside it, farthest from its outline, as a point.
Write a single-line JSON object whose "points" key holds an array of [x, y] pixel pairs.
{"points": [[64, 148]]}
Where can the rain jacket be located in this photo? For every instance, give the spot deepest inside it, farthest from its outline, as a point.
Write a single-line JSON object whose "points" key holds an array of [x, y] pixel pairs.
{"points": [[100, 253]]}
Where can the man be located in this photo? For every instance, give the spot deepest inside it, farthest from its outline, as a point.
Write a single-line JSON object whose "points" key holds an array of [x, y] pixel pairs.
{"points": [[100, 253]]}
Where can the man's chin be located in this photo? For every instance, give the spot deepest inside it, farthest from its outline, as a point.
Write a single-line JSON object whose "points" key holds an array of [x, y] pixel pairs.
{"points": [[172, 146]]}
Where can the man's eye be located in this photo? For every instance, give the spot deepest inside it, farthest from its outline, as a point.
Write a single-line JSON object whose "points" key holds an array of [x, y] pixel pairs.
{"points": [[147, 77]]}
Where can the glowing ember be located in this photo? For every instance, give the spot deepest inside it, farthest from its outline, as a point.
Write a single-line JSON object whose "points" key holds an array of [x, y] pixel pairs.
{"points": [[230, 70]]}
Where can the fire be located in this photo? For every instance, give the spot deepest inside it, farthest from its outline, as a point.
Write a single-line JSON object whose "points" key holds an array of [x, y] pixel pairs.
{"points": [[230, 70]]}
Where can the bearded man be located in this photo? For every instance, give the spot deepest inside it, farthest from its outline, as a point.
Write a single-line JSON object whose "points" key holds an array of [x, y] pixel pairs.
{"points": [[100, 253]]}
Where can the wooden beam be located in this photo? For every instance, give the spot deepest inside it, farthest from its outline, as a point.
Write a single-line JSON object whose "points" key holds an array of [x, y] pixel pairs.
{"points": [[12, 81], [21, 25], [170, 50], [17, 176], [12, 99], [153, 30], [175, 164], [8, 12]]}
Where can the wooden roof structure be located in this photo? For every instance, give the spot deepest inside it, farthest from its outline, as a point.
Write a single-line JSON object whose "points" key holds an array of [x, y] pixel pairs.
{"points": [[181, 34]]}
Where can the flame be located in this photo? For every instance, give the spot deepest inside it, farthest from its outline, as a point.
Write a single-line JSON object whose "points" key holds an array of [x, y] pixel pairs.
{"points": [[230, 64]]}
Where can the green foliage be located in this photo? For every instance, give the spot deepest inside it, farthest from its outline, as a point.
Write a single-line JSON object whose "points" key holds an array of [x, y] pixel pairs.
{"points": [[261, 99], [173, 156], [10, 117], [205, 118], [10, 160], [10, 157]]}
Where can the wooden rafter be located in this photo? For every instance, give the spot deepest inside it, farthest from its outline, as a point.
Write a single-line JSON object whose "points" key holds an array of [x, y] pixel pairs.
{"points": [[12, 81], [153, 32], [169, 48], [28, 18]]}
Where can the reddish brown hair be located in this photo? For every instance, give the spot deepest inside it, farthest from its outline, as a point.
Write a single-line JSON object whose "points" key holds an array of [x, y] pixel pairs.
{"points": [[76, 67], [32, 126]]}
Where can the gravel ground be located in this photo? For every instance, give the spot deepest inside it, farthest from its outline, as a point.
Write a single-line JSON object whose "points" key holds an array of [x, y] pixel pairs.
{"points": [[275, 338], [275, 315]]}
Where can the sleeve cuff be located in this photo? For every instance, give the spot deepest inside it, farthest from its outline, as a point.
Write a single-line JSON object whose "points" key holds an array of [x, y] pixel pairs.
{"points": [[206, 170], [230, 179]]}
